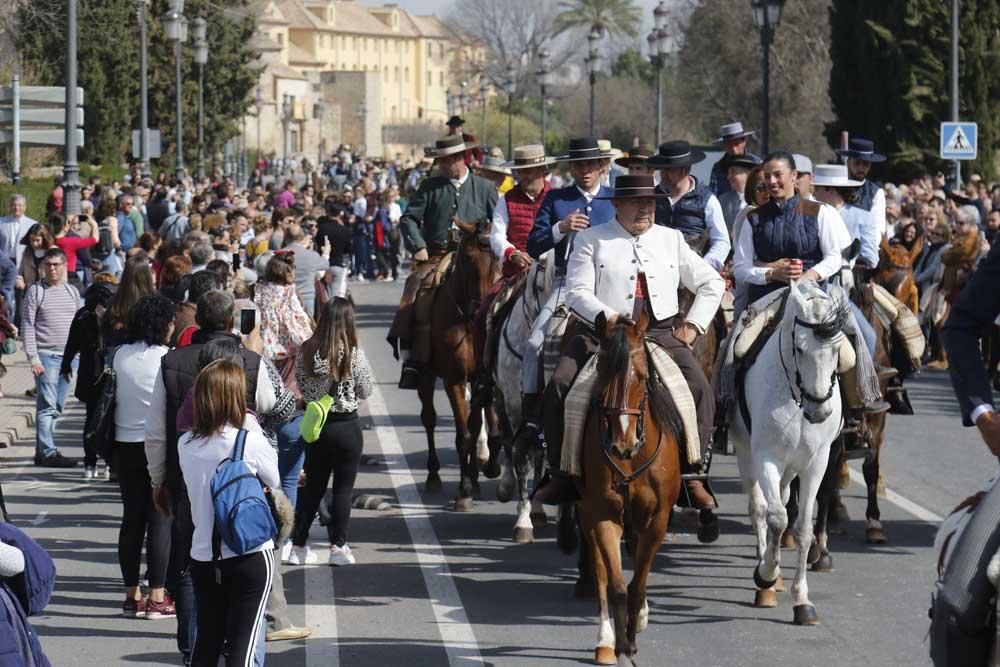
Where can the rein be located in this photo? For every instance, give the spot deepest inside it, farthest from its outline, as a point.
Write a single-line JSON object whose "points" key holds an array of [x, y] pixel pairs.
{"points": [[803, 394], [483, 243], [536, 292]]}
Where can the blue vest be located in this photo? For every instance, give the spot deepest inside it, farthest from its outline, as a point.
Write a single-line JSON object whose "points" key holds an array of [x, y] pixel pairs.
{"points": [[866, 194], [786, 230], [557, 205], [686, 216]]}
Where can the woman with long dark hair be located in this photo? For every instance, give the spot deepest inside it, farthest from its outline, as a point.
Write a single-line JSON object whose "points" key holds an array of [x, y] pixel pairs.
{"points": [[331, 362], [136, 282]]}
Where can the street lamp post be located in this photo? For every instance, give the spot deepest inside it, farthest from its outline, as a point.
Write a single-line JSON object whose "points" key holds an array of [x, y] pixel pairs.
{"points": [[593, 61], [766, 16], [484, 95], [510, 85], [363, 117], [286, 119], [544, 74], [175, 27], [463, 99], [140, 9], [954, 81], [659, 43], [71, 168], [318, 110], [198, 29]]}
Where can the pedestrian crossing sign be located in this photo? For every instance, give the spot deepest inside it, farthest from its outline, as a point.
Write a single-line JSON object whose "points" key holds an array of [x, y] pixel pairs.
{"points": [[959, 141]]}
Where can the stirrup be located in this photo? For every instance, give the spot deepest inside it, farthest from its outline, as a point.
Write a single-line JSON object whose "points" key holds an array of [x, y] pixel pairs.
{"points": [[694, 477]]}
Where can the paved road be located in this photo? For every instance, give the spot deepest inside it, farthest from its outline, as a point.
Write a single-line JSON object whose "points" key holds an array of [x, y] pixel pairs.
{"points": [[437, 588]]}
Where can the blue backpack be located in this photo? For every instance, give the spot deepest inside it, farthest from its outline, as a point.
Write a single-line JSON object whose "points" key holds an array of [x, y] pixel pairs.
{"points": [[243, 518]]}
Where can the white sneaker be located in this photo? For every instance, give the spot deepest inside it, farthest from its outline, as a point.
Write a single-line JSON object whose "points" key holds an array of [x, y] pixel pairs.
{"points": [[302, 556], [341, 555], [286, 552], [89, 472]]}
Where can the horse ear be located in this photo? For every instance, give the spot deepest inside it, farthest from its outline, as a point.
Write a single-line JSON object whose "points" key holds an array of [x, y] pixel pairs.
{"points": [[601, 325], [794, 292], [883, 247], [918, 247], [643, 322]]}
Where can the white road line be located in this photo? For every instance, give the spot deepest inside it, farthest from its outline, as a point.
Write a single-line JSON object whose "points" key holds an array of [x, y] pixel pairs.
{"points": [[321, 616], [902, 503], [452, 621]]}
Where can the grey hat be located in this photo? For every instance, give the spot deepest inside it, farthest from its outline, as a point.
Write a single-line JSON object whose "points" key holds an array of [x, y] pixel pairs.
{"points": [[495, 165], [803, 165], [733, 131]]}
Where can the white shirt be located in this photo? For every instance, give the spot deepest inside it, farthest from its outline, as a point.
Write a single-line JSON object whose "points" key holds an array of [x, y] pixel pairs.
{"points": [[360, 207], [719, 244], [395, 212], [833, 237], [557, 234], [136, 366], [15, 230], [498, 231], [199, 457], [457, 184], [878, 215]]}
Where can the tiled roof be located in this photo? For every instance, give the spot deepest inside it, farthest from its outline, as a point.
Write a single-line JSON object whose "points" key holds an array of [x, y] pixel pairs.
{"points": [[296, 54]]}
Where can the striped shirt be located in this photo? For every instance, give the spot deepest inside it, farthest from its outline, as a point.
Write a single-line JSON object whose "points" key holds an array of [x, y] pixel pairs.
{"points": [[48, 314]]}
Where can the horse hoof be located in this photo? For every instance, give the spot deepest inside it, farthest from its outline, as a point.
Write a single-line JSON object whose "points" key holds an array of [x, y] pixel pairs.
{"points": [[804, 614], [433, 484], [823, 564], [814, 554], [539, 519], [779, 584], [477, 493], [624, 661], [838, 514], [491, 469], [605, 655], [466, 504], [875, 536], [761, 581], [765, 598], [708, 529], [584, 590], [524, 536], [788, 540]]}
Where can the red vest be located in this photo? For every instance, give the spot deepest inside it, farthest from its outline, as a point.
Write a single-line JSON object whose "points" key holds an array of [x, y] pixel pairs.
{"points": [[522, 212]]}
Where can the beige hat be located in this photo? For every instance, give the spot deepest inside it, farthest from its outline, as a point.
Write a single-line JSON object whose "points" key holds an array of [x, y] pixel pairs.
{"points": [[495, 165], [449, 145], [527, 157], [607, 151]]}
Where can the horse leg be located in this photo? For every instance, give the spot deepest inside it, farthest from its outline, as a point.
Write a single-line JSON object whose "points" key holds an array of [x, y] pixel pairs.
{"points": [[459, 407], [819, 553], [428, 417], [608, 535], [804, 613], [647, 545], [494, 442], [524, 530], [769, 567], [792, 508], [538, 517], [874, 533], [604, 653], [475, 443]]}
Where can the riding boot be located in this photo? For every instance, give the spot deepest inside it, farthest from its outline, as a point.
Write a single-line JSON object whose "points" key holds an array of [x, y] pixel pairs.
{"points": [[531, 414], [409, 377]]}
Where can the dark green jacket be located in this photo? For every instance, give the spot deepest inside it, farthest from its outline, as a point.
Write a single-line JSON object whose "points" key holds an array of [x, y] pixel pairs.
{"points": [[427, 219]]}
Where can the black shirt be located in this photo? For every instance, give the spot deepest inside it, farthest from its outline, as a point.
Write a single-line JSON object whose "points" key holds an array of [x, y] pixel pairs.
{"points": [[340, 241]]}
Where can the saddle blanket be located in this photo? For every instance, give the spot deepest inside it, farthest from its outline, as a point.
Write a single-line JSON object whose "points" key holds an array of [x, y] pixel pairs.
{"points": [[894, 315], [578, 401]]}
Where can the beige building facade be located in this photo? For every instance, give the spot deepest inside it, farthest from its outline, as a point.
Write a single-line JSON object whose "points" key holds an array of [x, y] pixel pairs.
{"points": [[353, 70]]}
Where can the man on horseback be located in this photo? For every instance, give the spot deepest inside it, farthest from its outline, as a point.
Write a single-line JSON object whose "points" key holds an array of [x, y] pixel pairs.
{"points": [[563, 213], [860, 154], [791, 238], [689, 206], [623, 269], [427, 232]]}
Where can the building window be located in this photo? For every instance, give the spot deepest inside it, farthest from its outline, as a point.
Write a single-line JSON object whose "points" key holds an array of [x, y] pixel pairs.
{"points": [[440, 49], [385, 75], [406, 75], [281, 39], [397, 75], [441, 78], [352, 42], [428, 45], [428, 78]]}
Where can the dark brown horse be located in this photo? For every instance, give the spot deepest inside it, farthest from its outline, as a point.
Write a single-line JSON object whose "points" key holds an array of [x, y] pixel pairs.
{"points": [[473, 270], [632, 479]]}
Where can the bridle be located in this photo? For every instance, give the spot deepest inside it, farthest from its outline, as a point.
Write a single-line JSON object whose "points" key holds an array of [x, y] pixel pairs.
{"points": [[613, 402], [483, 244], [803, 394]]}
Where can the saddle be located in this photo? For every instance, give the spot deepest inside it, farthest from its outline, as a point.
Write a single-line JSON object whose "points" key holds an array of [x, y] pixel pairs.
{"points": [[498, 310], [896, 317]]}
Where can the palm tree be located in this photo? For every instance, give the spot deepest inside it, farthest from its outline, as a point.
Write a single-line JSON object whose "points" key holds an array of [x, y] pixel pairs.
{"points": [[617, 18]]}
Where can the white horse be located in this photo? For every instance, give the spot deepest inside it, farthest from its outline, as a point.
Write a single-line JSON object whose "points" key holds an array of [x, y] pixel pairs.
{"points": [[794, 408], [519, 461]]}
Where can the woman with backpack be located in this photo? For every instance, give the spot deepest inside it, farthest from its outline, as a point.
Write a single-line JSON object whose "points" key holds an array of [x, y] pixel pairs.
{"points": [[331, 364], [230, 589]]}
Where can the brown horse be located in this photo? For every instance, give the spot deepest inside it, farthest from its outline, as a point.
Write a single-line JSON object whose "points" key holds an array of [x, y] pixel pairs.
{"points": [[473, 271], [632, 479], [895, 271]]}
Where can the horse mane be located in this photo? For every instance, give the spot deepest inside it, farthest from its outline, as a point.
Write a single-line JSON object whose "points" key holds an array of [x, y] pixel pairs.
{"points": [[618, 352], [833, 321]]}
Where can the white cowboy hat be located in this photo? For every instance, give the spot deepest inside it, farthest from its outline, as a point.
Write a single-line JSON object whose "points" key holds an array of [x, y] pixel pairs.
{"points": [[833, 176]]}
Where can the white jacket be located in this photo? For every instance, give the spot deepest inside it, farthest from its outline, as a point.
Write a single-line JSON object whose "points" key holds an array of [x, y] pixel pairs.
{"points": [[603, 270]]}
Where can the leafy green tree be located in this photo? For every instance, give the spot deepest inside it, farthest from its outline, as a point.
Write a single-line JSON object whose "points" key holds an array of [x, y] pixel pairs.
{"points": [[611, 18], [631, 64], [890, 78]]}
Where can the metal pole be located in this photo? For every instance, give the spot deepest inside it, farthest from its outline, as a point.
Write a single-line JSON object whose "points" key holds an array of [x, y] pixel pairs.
{"points": [[482, 135], [259, 149], [16, 128], [954, 81], [510, 125], [201, 121], [179, 167], [544, 118], [765, 45], [593, 82], [659, 100], [143, 93], [71, 169]]}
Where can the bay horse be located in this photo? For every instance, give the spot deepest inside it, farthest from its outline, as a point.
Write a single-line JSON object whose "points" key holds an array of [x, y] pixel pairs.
{"points": [[895, 271], [787, 416], [473, 270], [631, 464]]}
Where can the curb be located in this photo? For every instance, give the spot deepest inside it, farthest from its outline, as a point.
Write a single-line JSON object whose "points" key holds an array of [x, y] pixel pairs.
{"points": [[18, 426]]}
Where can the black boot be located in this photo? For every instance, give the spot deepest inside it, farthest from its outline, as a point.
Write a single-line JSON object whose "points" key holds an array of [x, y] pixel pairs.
{"points": [[556, 488], [410, 376]]}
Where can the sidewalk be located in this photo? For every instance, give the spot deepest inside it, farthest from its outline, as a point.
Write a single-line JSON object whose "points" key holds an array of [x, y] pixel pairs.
{"points": [[17, 411]]}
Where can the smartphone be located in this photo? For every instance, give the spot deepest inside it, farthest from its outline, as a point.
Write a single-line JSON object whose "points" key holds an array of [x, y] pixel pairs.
{"points": [[248, 320]]}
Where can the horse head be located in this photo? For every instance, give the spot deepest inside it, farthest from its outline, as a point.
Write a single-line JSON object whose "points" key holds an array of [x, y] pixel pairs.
{"points": [[811, 338], [622, 371], [474, 258]]}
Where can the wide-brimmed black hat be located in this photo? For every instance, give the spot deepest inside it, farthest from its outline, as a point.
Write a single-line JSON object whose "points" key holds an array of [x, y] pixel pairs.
{"points": [[449, 145], [636, 157], [582, 148], [675, 154], [635, 187], [861, 149], [455, 121], [748, 160]]}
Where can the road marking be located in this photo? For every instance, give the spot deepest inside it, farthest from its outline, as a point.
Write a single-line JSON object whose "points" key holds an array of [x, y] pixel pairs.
{"points": [[452, 621], [899, 501], [321, 616]]}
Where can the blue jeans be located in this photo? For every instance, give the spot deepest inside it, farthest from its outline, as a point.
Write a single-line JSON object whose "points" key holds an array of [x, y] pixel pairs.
{"points": [[291, 455], [867, 332], [52, 391]]}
